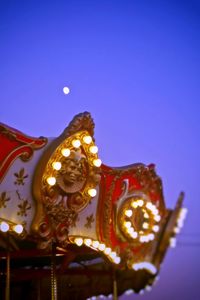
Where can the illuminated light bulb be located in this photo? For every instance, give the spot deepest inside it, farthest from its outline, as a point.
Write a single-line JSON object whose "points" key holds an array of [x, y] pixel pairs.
{"points": [[87, 242], [155, 211], [148, 288], [134, 235], [134, 204], [135, 267], [180, 220], [95, 244], [146, 216], [78, 241], [180, 223], [150, 267], [145, 225], [65, 152], [129, 292], [93, 149], [101, 247], [18, 228], [145, 265], [113, 255], [66, 90], [184, 211], [87, 139], [127, 224], [92, 192], [130, 230], [144, 239], [151, 236], [157, 218], [155, 228], [128, 213], [140, 202], [177, 230], [51, 180], [97, 162], [172, 242], [141, 292], [76, 143], [107, 251], [148, 205], [56, 165], [4, 227], [117, 260]]}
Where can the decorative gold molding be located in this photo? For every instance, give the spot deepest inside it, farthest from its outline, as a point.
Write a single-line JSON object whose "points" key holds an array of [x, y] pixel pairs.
{"points": [[66, 177]]}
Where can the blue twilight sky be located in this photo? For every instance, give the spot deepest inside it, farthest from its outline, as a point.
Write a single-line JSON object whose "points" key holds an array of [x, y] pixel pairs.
{"points": [[135, 66]]}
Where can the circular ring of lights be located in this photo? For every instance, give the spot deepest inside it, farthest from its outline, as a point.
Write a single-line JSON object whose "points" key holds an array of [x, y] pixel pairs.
{"points": [[138, 219]]}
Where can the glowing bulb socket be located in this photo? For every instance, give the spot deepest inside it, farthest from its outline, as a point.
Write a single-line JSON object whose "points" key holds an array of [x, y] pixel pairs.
{"points": [[93, 149], [155, 228], [92, 192], [87, 139], [18, 228], [87, 242], [97, 162], [117, 260], [140, 202], [101, 247], [145, 225], [128, 213], [95, 244], [51, 181], [113, 255], [4, 227], [56, 165], [76, 143], [65, 152], [157, 218], [107, 251], [78, 241], [127, 224]]}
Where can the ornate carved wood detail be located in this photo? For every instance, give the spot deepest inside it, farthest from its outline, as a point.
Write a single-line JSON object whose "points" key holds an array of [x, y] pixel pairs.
{"points": [[14, 144], [67, 177], [119, 188], [80, 122]]}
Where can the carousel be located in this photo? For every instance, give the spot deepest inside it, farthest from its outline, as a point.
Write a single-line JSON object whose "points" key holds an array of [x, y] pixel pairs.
{"points": [[74, 228]]}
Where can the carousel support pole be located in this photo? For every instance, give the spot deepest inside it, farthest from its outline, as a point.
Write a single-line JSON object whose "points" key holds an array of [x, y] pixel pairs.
{"points": [[7, 294], [53, 272], [115, 293], [38, 290]]}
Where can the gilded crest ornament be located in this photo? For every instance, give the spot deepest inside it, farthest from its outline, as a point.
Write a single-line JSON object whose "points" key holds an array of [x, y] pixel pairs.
{"points": [[68, 175]]}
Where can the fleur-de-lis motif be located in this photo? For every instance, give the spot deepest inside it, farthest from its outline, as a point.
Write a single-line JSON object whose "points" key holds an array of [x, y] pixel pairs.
{"points": [[90, 220], [3, 199], [20, 176], [23, 207], [74, 219]]}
